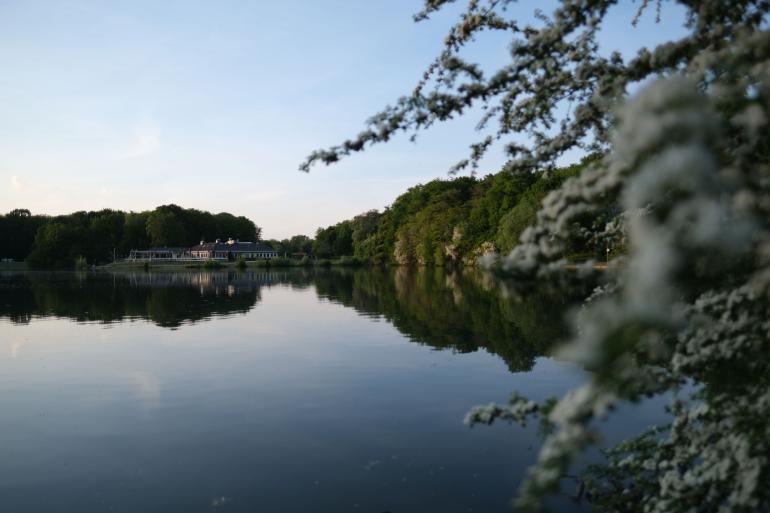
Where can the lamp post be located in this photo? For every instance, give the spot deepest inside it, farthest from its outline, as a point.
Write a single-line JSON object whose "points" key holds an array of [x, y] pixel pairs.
{"points": [[608, 255]]}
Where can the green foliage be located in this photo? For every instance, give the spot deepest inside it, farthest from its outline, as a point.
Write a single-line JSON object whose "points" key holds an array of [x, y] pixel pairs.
{"points": [[334, 241], [17, 233], [56, 245], [171, 225], [297, 246], [100, 236], [524, 213], [446, 222], [165, 228], [514, 222], [211, 264], [240, 263], [442, 222], [349, 261], [280, 262], [134, 232]]}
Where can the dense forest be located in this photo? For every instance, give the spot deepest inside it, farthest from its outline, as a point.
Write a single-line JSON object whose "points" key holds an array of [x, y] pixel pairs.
{"points": [[444, 221], [57, 241]]}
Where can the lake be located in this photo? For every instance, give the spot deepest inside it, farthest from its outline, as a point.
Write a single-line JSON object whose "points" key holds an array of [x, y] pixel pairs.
{"points": [[277, 391]]}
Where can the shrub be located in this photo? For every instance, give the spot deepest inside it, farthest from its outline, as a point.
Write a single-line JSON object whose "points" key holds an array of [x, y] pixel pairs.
{"points": [[280, 262], [211, 264], [349, 261]]}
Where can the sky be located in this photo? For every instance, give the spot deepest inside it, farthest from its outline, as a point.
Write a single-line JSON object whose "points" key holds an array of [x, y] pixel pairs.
{"points": [[213, 105]]}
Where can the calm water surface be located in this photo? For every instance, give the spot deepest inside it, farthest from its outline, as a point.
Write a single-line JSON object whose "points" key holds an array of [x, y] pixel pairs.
{"points": [[288, 391]]}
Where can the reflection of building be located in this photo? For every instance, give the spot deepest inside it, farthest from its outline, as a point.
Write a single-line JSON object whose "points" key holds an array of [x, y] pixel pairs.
{"points": [[205, 282], [217, 250]]}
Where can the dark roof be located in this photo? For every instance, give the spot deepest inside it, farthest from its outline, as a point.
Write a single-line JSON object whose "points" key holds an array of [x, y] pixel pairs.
{"points": [[235, 247]]}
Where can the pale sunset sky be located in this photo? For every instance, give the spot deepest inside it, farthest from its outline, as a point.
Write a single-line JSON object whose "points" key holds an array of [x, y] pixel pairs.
{"points": [[213, 105]]}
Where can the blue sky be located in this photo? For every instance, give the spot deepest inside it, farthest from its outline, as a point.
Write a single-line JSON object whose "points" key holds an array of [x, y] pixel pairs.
{"points": [[213, 105]]}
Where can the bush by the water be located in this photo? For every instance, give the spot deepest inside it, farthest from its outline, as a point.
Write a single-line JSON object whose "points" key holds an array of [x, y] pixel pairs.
{"points": [[212, 264], [350, 261]]}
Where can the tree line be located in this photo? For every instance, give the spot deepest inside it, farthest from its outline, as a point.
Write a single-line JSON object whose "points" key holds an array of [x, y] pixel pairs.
{"points": [[444, 222], [99, 236]]}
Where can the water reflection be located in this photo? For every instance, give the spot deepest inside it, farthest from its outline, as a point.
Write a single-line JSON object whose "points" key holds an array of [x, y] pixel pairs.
{"points": [[166, 299], [461, 311], [286, 395]]}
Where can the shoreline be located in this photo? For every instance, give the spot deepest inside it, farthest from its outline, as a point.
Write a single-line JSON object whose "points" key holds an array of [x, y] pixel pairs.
{"points": [[278, 263]]}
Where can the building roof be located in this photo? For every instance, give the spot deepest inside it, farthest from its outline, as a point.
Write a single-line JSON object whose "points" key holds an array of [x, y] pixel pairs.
{"points": [[234, 247], [165, 249]]}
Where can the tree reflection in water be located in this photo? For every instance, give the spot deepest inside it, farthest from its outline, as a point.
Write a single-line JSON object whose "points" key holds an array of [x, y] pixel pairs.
{"points": [[459, 310]]}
